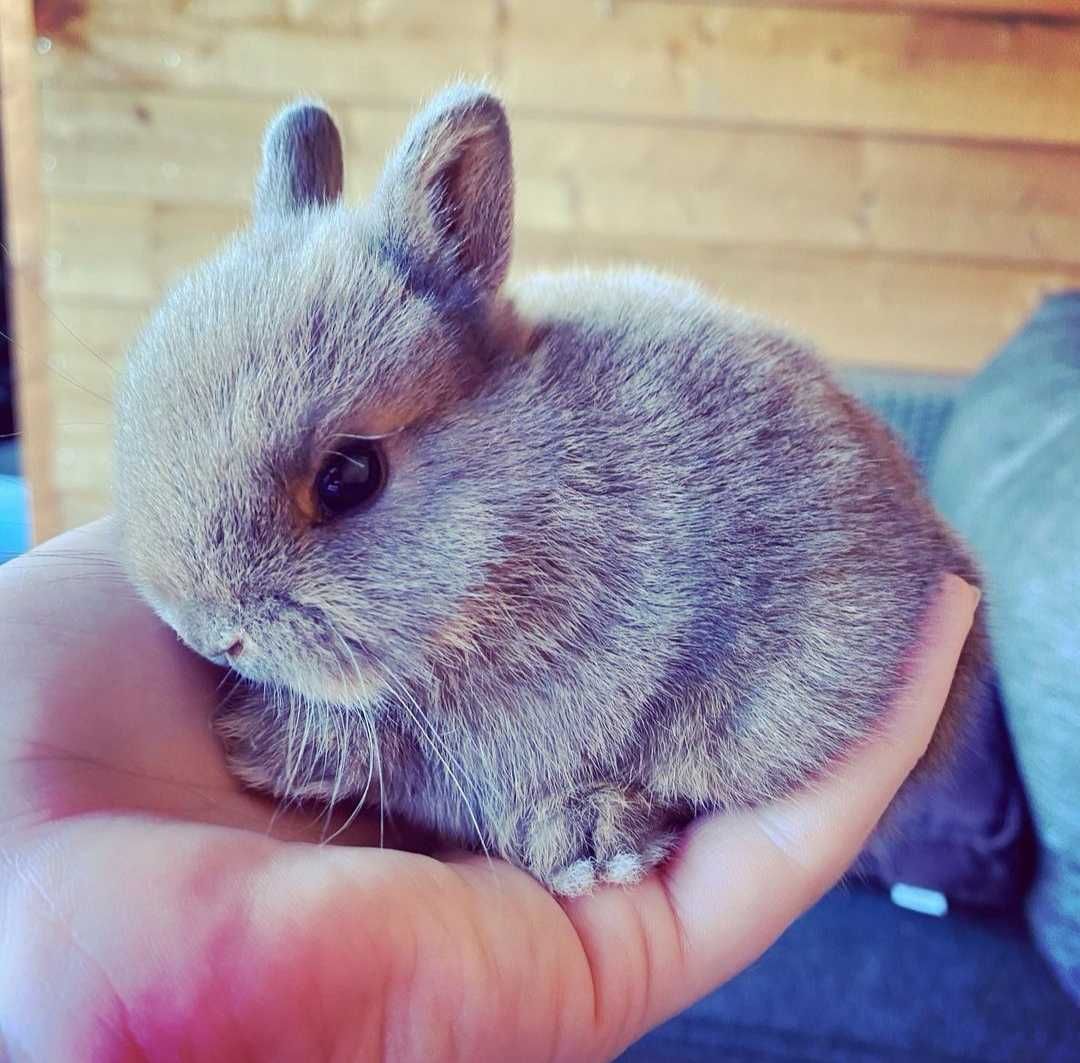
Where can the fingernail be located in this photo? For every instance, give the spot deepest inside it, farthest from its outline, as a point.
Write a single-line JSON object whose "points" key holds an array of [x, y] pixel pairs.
{"points": [[973, 593]]}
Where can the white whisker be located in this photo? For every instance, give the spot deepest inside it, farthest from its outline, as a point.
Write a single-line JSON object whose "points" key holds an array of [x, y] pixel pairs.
{"points": [[423, 724], [373, 753]]}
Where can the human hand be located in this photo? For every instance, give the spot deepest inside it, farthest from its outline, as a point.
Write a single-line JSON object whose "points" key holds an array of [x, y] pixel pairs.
{"points": [[150, 908]]}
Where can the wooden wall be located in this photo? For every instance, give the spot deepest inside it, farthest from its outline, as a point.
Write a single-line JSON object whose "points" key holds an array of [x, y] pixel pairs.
{"points": [[898, 179]]}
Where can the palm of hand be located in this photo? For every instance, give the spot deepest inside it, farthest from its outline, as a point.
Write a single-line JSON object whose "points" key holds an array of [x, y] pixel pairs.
{"points": [[148, 903]]}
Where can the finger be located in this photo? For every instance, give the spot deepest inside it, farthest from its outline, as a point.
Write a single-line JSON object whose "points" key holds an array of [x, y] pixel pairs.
{"points": [[92, 547]]}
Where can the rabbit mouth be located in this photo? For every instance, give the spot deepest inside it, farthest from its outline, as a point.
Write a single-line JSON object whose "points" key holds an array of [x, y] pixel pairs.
{"points": [[357, 685], [343, 672], [329, 674]]}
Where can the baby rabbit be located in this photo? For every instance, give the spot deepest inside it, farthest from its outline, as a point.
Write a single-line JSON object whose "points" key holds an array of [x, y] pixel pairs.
{"points": [[547, 567]]}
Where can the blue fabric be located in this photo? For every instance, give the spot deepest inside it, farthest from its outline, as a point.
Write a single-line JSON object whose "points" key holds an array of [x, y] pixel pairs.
{"points": [[14, 530], [859, 980], [965, 832], [1007, 475], [916, 406]]}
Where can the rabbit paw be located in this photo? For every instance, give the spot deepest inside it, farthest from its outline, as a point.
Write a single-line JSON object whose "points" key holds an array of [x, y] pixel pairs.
{"points": [[607, 835]]}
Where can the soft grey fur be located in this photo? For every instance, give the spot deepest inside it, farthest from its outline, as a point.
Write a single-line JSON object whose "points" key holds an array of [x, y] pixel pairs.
{"points": [[637, 557]]}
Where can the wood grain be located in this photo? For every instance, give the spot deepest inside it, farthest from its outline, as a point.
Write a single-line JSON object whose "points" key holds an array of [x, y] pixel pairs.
{"points": [[23, 224], [911, 72], [906, 72], [778, 187], [1015, 9], [896, 179], [858, 307], [88, 340]]}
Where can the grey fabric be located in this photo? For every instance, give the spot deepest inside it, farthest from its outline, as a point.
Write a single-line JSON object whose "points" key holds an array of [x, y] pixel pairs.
{"points": [[916, 406], [1007, 475]]}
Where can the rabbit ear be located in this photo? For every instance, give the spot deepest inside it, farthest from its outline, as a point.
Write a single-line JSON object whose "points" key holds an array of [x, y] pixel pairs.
{"points": [[301, 164], [446, 196]]}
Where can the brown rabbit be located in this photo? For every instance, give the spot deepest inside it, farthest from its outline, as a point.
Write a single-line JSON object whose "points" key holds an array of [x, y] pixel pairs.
{"points": [[548, 568]]}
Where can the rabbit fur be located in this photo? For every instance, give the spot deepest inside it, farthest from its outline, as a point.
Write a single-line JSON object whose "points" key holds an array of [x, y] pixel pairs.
{"points": [[637, 555]]}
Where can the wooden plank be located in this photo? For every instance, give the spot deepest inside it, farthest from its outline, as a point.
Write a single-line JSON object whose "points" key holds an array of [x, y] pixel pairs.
{"points": [[1013, 203], [912, 73], [861, 171], [891, 72], [165, 147], [23, 214], [782, 188], [484, 16], [83, 450], [100, 249], [419, 18], [87, 341], [859, 306], [154, 45], [1016, 9], [129, 252], [80, 507]]}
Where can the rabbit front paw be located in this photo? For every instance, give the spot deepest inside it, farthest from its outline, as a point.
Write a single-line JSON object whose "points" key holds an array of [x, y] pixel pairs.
{"points": [[605, 835]]}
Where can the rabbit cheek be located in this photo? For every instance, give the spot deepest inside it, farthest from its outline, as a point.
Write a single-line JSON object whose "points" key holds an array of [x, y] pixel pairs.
{"points": [[458, 635]]}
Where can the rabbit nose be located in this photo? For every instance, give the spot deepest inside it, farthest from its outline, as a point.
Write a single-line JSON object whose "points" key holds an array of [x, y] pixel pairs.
{"points": [[229, 648], [232, 647]]}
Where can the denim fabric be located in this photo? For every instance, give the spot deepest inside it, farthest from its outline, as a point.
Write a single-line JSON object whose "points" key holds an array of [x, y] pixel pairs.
{"points": [[858, 980]]}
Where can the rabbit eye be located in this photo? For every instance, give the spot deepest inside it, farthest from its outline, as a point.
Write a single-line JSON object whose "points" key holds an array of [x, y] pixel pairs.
{"points": [[351, 477]]}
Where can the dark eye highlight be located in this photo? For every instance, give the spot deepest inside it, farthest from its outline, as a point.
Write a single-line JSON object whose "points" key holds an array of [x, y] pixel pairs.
{"points": [[352, 476]]}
